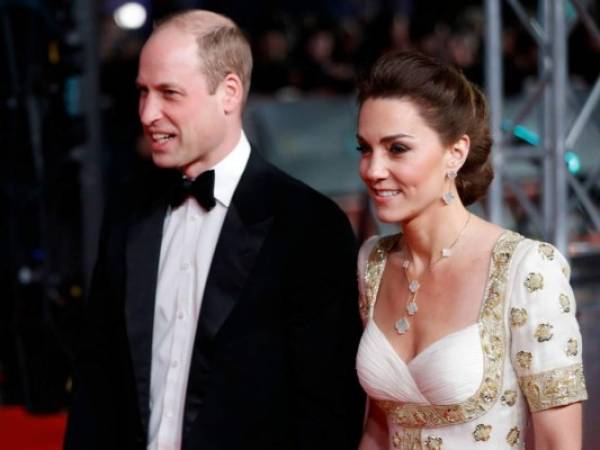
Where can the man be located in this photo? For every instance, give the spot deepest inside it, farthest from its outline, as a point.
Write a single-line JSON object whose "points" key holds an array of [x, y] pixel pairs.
{"points": [[225, 322]]}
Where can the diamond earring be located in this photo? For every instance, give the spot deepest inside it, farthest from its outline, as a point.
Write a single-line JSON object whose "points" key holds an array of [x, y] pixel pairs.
{"points": [[448, 197]]}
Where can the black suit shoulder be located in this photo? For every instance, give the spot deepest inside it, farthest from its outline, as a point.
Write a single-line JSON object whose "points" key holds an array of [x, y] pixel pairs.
{"points": [[295, 198]]}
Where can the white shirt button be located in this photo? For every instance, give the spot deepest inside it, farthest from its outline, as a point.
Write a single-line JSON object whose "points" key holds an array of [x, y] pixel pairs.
{"points": [[169, 415], [180, 316], [174, 363], [186, 265]]}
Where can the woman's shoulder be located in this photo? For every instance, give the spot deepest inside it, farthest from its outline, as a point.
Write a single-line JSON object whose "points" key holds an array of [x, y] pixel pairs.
{"points": [[541, 254], [377, 242]]}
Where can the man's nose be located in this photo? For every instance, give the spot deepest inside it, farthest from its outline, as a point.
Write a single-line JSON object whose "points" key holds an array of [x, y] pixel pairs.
{"points": [[149, 109]]}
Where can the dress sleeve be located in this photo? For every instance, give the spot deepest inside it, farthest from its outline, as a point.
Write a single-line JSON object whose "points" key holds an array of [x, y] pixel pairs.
{"points": [[546, 341], [363, 258]]}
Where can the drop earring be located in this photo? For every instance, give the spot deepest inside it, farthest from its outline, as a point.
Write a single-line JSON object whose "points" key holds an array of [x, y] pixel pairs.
{"points": [[448, 196]]}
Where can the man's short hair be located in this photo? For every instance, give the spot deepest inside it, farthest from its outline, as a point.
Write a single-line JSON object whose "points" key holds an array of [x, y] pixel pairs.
{"points": [[222, 46]]}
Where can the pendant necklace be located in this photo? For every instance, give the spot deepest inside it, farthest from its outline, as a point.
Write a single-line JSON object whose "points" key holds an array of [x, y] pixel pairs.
{"points": [[402, 325]]}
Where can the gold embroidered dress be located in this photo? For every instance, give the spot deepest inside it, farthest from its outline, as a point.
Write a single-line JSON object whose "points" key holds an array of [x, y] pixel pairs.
{"points": [[473, 388]]}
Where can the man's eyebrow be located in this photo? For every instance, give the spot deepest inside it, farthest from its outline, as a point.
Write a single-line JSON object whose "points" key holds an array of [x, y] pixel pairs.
{"points": [[161, 86], [168, 86]]}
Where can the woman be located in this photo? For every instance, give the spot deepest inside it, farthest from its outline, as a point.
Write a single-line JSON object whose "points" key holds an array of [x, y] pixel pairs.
{"points": [[470, 329]]}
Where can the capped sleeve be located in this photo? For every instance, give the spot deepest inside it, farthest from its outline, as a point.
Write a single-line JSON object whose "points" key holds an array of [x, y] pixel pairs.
{"points": [[363, 258], [546, 341]]}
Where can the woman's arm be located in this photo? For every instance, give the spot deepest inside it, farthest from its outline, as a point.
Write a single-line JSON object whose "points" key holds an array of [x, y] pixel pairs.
{"points": [[375, 434], [558, 428]]}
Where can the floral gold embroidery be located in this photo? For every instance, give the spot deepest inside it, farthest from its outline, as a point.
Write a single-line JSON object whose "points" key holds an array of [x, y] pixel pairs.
{"points": [[433, 443], [543, 332], [502, 257], [489, 390], [492, 347], [518, 317], [409, 439], [482, 432], [553, 388], [492, 332], [565, 303], [509, 397], [524, 359], [513, 436], [566, 272], [374, 271], [572, 347], [546, 251], [534, 282], [397, 439]]}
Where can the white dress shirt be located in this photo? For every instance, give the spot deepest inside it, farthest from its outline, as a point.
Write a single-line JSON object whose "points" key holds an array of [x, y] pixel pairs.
{"points": [[189, 239]]}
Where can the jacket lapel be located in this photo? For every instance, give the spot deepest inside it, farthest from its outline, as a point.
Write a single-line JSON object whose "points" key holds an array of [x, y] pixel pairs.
{"points": [[142, 260], [245, 228], [237, 248], [246, 225]]}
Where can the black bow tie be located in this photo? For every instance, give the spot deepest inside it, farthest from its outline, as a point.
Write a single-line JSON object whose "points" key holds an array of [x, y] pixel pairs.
{"points": [[200, 188]]}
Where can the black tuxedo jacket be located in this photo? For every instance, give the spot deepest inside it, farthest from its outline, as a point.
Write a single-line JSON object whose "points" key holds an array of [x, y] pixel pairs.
{"points": [[273, 358]]}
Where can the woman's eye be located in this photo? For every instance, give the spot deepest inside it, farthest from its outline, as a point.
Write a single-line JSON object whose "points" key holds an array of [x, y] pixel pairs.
{"points": [[362, 148], [398, 148]]}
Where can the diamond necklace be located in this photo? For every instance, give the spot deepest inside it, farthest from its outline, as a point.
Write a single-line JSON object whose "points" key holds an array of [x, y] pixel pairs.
{"points": [[402, 325]]}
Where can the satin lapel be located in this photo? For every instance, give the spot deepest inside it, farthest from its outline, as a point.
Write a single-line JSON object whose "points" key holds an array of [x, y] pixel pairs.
{"points": [[143, 253], [234, 256], [246, 226]]}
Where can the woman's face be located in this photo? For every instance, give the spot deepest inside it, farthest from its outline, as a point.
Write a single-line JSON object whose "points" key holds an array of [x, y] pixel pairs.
{"points": [[403, 162]]}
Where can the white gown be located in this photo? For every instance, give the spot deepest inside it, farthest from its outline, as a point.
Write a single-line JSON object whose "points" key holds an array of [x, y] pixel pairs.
{"points": [[473, 388]]}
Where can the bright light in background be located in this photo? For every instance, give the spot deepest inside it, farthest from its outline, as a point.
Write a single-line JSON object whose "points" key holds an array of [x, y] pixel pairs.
{"points": [[573, 162], [130, 15], [531, 137]]}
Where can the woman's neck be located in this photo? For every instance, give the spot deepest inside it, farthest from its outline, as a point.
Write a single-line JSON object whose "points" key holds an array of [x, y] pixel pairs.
{"points": [[427, 234]]}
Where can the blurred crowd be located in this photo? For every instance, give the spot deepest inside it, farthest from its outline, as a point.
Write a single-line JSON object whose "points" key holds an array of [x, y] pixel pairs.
{"points": [[321, 50]]}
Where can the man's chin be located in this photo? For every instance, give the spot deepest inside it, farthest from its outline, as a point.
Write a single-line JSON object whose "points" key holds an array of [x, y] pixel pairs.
{"points": [[163, 161]]}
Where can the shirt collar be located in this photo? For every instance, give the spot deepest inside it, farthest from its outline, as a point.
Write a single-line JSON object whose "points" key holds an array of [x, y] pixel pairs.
{"points": [[229, 170]]}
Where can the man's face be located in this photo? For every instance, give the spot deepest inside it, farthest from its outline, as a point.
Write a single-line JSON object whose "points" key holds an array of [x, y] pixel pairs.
{"points": [[184, 124]]}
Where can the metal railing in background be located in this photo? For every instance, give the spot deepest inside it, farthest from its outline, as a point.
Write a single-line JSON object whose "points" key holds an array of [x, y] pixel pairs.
{"points": [[562, 194]]}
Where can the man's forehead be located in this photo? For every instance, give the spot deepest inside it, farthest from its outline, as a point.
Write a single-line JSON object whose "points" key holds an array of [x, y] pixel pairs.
{"points": [[170, 48], [170, 35], [166, 62]]}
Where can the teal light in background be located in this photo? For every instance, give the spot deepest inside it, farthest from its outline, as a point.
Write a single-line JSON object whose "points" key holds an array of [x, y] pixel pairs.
{"points": [[531, 137], [570, 11], [573, 162]]}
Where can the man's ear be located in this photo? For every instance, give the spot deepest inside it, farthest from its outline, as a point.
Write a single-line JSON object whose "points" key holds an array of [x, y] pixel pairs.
{"points": [[232, 93], [458, 152]]}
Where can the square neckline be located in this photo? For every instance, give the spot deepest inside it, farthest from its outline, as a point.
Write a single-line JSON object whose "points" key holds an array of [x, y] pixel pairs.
{"points": [[487, 286]]}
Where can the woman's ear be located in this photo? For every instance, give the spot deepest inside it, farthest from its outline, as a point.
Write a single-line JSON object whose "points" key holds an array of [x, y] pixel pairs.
{"points": [[458, 152], [232, 93]]}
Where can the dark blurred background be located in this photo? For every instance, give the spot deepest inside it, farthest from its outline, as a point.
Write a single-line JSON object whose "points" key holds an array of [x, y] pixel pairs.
{"points": [[69, 132]]}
